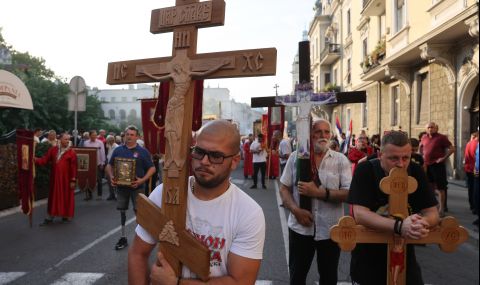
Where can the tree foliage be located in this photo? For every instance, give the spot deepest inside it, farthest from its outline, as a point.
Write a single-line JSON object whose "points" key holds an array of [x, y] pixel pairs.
{"points": [[50, 99]]}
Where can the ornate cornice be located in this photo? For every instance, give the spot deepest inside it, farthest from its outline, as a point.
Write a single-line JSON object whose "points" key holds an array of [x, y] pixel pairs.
{"points": [[402, 74], [440, 53], [472, 24]]}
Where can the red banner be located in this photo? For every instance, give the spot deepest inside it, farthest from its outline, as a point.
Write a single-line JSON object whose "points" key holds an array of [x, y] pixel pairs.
{"points": [[153, 125], [25, 164], [276, 119], [86, 168], [152, 135]]}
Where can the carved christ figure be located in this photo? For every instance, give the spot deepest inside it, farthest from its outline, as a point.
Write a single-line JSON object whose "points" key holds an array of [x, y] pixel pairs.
{"points": [[179, 71]]}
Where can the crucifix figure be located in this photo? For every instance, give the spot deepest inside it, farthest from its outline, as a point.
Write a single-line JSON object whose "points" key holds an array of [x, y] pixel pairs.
{"points": [[180, 73], [181, 68], [396, 210]]}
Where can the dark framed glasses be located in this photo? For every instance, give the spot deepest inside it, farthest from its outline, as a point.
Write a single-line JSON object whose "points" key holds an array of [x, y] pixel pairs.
{"points": [[215, 157]]}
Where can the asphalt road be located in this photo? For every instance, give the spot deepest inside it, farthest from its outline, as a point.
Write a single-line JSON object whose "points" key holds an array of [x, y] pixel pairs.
{"points": [[82, 252]]}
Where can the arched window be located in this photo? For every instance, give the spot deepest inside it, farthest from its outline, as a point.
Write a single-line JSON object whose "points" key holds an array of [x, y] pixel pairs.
{"points": [[123, 115], [111, 114], [132, 114]]}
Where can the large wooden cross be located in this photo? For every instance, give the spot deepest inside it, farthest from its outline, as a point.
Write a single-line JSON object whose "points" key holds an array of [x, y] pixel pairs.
{"points": [[448, 235], [181, 68]]}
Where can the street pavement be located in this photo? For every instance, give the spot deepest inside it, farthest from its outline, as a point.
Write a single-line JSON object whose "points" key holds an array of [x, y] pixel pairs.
{"points": [[81, 252]]}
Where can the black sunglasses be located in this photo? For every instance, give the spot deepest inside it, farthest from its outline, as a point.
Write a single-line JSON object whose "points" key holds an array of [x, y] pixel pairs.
{"points": [[214, 157]]}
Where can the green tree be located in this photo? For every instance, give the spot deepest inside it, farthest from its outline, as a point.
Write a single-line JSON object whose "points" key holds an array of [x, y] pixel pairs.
{"points": [[50, 97]]}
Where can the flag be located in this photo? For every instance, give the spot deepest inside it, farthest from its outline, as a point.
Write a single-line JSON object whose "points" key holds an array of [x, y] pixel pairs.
{"points": [[338, 128], [347, 139]]}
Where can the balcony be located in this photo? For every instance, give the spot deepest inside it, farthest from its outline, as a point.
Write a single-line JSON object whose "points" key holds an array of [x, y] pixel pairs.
{"points": [[375, 58], [373, 7], [330, 54]]}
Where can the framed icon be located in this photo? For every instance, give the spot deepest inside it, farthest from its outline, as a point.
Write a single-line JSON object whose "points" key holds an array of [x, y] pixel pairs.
{"points": [[83, 162], [25, 156], [124, 171]]}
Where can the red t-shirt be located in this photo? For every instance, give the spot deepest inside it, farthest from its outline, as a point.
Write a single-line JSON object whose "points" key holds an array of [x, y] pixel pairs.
{"points": [[434, 147], [470, 155]]}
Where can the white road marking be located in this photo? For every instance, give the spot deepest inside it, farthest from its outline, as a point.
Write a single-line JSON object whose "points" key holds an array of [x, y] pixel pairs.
{"points": [[78, 278], [88, 246], [7, 277], [283, 220]]}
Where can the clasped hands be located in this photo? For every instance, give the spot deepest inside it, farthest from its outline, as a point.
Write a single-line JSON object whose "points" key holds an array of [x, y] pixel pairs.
{"points": [[415, 227]]}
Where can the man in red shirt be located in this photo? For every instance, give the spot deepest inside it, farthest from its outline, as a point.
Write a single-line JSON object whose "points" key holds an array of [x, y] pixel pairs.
{"points": [[469, 167], [359, 151], [436, 148]]}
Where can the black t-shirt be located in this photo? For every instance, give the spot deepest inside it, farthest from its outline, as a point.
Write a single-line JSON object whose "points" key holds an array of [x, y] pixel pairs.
{"points": [[417, 158], [369, 261]]}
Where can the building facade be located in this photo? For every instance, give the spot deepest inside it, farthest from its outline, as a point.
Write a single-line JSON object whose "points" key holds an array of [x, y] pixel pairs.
{"points": [[122, 106], [416, 60]]}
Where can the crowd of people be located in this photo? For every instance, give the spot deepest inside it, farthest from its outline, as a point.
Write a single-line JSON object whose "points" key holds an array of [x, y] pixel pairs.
{"points": [[63, 171], [344, 168], [219, 210]]}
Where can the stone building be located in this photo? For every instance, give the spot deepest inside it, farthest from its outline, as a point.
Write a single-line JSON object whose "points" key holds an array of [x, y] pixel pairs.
{"points": [[417, 61]]}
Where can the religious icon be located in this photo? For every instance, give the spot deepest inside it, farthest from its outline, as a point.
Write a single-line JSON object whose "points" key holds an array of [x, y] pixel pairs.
{"points": [[124, 171], [82, 162], [397, 258], [25, 157]]}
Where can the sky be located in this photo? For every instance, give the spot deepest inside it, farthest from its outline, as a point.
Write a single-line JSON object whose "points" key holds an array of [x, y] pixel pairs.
{"points": [[82, 37]]}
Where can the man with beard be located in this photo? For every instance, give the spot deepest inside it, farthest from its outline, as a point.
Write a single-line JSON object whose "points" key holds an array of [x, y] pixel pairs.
{"points": [[63, 178], [144, 169], [216, 210], [309, 231]]}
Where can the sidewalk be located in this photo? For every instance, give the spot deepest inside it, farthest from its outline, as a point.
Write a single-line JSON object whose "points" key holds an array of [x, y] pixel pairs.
{"points": [[458, 207]]}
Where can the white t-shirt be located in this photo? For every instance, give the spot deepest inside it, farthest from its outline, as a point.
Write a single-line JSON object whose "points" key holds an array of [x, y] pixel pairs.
{"points": [[258, 157], [232, 222]]}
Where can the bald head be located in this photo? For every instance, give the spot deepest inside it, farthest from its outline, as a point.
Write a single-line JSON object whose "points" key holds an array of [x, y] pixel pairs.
{"points": [[223, 131]]}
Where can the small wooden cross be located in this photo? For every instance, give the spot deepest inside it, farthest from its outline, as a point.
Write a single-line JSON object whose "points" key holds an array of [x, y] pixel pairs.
{"points": [[448, 235], [181, 69]]}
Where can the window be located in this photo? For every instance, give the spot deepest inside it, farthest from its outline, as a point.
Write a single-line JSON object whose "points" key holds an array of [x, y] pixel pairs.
{"points": [[111, 114], [422, 100], [327, 78], [400, 14], [335, 78], [349, 30], [103, 99], [123, 115], [134, 99], [365, 47], [113, 99], [395, 105], [124, 99], [132, 115], [349, 70], [364, 115]]}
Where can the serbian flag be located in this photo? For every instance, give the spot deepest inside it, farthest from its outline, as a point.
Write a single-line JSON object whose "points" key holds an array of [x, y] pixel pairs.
{"points": [[338, 127], [347, 139]]}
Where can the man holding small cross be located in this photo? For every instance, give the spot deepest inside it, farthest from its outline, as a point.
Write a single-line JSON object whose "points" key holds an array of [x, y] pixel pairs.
{"points": [[219, 214], [370, 209]]}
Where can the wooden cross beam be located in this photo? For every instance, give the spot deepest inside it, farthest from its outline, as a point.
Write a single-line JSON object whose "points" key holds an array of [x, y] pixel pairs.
{"points": [[448, 235], [346, 97], [184, 66]]}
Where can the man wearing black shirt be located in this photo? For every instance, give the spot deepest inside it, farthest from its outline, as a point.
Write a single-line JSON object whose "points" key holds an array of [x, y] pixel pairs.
{"points": [[370, 209]]}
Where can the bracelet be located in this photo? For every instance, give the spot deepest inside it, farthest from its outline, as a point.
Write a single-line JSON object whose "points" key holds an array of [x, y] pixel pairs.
{"points": [[327, 194], [397, 227]]}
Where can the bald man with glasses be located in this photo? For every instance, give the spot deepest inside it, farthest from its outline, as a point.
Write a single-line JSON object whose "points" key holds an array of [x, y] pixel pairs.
{"points": [[217, 210]]}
